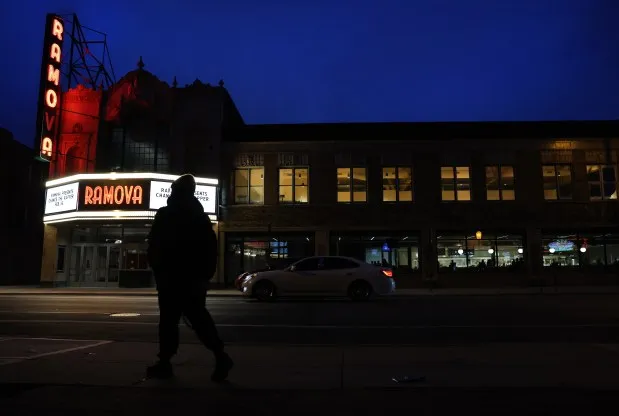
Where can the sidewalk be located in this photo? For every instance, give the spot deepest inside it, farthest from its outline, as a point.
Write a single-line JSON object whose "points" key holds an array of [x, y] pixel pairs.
{"points": [[300, 367], [71, 376], [33, 290]]}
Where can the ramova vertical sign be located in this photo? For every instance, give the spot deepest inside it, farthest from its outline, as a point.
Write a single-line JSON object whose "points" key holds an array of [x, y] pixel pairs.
{"points": [[50, 86]]}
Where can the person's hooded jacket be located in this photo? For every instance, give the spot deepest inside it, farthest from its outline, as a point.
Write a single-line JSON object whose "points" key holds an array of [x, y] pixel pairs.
{"points": [[182, 246]]}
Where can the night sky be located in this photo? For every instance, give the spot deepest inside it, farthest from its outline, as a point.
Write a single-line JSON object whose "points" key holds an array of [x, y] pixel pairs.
{"points": [[346, 60]]}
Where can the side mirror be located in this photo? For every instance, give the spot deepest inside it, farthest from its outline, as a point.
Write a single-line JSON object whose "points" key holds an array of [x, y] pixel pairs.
{"points": [[291, 268]]}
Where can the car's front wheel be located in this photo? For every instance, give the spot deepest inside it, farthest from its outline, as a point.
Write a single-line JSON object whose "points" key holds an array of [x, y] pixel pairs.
{"points": [[360, 291], [265, 291]]}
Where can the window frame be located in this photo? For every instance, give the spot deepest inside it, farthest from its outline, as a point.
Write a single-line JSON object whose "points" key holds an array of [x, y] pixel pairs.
{"points": [[601, 180], [556, 176], [249, 185], [351, 185], [293, 186], [500, 181], [397, 184], [454, 168]]}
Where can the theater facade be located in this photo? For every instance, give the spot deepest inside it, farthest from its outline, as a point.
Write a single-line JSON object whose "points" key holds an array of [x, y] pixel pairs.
{"points": [[113, 158]]}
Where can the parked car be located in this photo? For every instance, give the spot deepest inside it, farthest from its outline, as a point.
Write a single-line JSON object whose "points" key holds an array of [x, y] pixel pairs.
{"points": [[328, 275]]}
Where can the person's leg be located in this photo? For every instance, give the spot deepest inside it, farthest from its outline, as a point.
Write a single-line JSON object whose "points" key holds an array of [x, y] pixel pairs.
{"points": [[203, 325], [170, 309]]}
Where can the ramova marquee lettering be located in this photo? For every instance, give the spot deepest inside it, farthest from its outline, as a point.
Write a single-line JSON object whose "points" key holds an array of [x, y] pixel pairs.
{"points": [[113, 195], [50, 84]]}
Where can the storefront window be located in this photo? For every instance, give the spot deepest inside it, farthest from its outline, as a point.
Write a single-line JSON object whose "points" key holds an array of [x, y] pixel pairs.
{"points": [[398, 250], [589, 250], [561, 250], [254, 252], [491, 251], [109, 255]]}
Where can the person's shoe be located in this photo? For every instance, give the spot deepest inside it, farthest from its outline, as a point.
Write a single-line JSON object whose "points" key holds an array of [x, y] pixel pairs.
{"points": [[161, 370], [223, 365]]}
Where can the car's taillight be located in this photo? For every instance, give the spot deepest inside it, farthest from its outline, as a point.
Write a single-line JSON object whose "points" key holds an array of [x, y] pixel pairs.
{"points": [[387, 273]]}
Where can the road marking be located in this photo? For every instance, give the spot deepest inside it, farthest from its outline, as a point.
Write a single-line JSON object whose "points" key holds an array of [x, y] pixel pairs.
{"points": [[338, 327], [67, 313], [47, 354], [50, 339]]}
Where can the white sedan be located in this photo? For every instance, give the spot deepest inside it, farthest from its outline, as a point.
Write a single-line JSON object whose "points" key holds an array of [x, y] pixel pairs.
{"points": [[329, 275]]}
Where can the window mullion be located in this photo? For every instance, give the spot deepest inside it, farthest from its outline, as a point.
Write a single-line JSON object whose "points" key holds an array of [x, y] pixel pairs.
{"points": [[294, 178], [500, 179], [397, 184], [455, 179], [350, 184]]}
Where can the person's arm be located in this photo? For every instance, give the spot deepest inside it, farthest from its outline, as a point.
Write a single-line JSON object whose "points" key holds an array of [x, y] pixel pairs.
{"points": [[154, 240]]}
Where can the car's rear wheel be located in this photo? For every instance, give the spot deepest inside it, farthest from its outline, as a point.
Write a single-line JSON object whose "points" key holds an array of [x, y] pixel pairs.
{"points": [[360, 291], [265, 291]]}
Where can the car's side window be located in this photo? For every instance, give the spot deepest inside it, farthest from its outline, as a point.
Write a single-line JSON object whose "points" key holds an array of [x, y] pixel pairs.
{"points": [[312, 264], [338, 263]]}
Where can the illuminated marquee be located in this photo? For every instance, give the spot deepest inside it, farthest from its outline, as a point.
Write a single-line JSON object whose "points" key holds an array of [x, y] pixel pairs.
{"points": [[50, 85], [106, 196]]}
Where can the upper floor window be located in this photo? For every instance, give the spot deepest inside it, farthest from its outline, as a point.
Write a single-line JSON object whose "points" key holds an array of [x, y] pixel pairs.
{"points": [[557, 181], [294, 185], [602, 181], [397, 184], [249, 186], [455, 183], [352, 185], [500, 183]]}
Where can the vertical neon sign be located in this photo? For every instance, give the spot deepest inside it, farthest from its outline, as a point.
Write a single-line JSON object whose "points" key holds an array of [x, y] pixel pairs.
{"points": [[49, 104]]}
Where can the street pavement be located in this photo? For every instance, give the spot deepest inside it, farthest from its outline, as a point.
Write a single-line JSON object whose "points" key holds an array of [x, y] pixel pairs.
{"points": [[390, 321], [508, 354]]}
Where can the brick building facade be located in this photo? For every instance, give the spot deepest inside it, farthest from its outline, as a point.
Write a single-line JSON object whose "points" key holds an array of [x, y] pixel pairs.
{"points": [[541, 196]]}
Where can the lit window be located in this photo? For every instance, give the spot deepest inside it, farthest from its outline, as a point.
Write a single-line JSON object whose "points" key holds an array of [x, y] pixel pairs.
{"points": [[500, 183], [351, 185], [455, 183], [293, 185], [602, 181], [557, 181], [249, 186], [397, 184]]}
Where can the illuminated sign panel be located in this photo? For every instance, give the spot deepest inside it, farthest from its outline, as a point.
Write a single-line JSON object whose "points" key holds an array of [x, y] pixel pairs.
{"points": [[95, 196], [47, 121], [61, 198], [125, 194], [160, 191]]}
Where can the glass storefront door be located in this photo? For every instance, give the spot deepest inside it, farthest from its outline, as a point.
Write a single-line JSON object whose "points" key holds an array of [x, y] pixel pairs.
{"points": [[94, 265]]}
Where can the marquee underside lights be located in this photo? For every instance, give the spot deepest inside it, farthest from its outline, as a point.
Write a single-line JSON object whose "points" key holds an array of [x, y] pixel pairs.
{"points": [[114, 196], [106, 215]]}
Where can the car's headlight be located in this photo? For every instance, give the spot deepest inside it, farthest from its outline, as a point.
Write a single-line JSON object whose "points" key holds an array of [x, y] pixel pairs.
{"points": [[249, 277]]}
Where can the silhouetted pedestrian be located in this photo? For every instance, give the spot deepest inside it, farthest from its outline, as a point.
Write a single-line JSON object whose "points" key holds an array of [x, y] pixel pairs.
{"points": [[182, 252]]}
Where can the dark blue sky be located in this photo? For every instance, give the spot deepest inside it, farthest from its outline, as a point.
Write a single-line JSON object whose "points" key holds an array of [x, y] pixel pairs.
{"points": [[346, 60]]}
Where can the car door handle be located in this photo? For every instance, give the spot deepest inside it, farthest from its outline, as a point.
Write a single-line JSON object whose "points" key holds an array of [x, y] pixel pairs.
{"points": [[348, 274]]}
